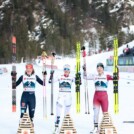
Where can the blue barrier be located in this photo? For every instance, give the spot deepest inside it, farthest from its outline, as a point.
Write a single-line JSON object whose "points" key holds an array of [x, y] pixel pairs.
{"points": [[122, 61]]}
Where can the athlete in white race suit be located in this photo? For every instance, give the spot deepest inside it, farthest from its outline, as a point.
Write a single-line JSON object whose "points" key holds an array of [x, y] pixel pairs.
{"points": [[64, 96]]}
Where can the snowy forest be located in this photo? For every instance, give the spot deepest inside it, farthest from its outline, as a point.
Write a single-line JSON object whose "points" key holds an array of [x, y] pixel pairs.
{"points": [[56, 25]]}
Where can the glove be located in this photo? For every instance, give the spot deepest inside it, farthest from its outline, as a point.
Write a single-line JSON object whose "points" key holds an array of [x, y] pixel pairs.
{"points": [[53, 53], [51, 75], [78, 78], [50, 81], [44, 73], [52, 72], [13, 73], [78, 81], [83, 48], [84, 67]]}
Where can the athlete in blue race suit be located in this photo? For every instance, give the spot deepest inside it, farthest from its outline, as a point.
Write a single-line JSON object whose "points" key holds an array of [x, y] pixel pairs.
{"points": [[28, 96]]}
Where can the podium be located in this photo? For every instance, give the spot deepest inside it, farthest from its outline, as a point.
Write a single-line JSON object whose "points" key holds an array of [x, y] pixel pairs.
{"points": [[106, 126], [67, 126], [25, 126]]}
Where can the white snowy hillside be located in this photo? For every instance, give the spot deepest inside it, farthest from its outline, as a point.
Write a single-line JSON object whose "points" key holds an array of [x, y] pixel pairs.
{"points": [[83, 123], [91, 60], [119, 4], [4, 4]]}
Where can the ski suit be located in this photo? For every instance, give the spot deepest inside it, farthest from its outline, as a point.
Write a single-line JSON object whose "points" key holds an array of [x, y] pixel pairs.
{"points": [[64, 97], [100, 96], [28, 96]]}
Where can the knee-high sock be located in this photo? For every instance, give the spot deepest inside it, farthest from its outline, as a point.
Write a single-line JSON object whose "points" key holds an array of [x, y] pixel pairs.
{"points": [[96, 114]]}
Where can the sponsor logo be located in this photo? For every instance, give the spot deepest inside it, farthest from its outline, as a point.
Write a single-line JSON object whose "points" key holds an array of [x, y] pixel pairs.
{"points": [[33, 109], [23, 104]]}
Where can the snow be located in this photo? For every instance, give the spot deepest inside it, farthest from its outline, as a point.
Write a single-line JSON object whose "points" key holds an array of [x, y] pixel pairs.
{"points": [[31, 35], [47, 24], [42, 43], [89, 1], [1, 6], [62, 6], [37, 28], [35, 35], [130, 2], [44, 22], [125, 29], [104, 1], [117, 6], [83, 123], [4, 3], [129, 29]]}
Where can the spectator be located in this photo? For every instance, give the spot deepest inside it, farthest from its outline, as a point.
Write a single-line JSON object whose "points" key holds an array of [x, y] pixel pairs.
{"points": [[126, 51], [132, 51]]}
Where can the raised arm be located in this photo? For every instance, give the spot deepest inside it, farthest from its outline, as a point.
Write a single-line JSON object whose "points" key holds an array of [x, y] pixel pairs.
{"points": [[55, 78], [19, 80], [109, 77], [39, 80]]}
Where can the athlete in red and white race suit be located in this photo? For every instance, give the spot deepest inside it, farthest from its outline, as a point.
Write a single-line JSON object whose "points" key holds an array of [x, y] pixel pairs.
{"points": [[100, 96]]}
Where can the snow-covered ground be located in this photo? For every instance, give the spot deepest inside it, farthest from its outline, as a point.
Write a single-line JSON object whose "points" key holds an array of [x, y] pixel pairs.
{"points": [[83, 123]]}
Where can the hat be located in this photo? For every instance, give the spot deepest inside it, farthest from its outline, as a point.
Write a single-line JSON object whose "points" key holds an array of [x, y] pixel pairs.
{"points": [[66, 67], [100, 65], [29, 66]]}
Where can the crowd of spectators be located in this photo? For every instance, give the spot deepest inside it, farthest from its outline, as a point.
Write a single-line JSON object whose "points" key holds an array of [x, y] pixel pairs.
{"points": [[127, 52]]}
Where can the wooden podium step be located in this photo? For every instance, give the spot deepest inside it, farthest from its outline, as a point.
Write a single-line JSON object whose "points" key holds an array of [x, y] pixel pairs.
{"points": [[67, 126], [106, 126], [25, 126]]}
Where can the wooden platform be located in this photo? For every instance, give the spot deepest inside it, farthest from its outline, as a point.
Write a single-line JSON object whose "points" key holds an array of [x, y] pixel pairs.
{"points": [[67, 126], [25, 126], [106, 126]]}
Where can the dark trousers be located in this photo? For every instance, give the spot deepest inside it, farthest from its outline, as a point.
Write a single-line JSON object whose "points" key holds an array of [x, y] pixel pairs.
{"points": [[28, 101]]}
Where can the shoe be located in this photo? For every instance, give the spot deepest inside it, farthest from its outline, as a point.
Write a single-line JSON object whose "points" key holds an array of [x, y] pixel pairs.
{"points": [[56, 130], [95, 131], [32, 122]]}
